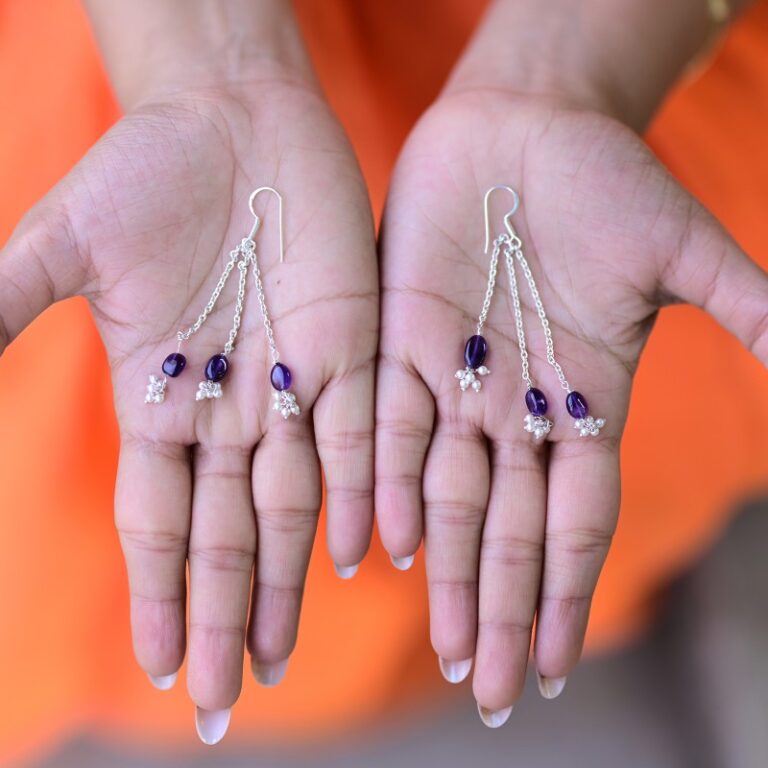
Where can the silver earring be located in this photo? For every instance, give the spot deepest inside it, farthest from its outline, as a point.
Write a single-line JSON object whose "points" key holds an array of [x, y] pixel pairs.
{"points": [[536, 421], [243, 257]]}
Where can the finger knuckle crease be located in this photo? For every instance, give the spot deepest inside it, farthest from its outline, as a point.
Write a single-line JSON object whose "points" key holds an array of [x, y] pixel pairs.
{"points": [[213, 628], [403, 430], [567, 602], [409, 479], [345, 440], [454, 585], [155, 446], [506, 626], [157, 542], [579, 542], [513, 551], [237, 559], [287, 519], [347, 494], [142, 598], [456, 514], [289, 590]]}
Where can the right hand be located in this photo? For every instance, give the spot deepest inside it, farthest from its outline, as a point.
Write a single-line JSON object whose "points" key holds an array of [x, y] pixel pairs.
{"points": [[515, 531]]}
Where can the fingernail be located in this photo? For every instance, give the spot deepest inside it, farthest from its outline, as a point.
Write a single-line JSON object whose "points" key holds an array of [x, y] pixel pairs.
{"points": [[455, 671], [402, 563], [163, 682], [346, 571], [494, 719], [211, 724], [551, 687], [268, 675]]}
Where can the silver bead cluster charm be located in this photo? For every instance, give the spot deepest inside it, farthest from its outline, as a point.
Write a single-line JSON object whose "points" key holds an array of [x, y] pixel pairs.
{"points": [[538, 426], [469, 377], [208, 390], [285, 403], [589, 426], [155, 389]]}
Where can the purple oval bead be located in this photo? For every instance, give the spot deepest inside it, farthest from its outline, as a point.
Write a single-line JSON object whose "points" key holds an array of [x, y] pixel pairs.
{"points": [[174, 364], [280, 377], [217, 368], [475, 351], [536, 402], [577, 405]]}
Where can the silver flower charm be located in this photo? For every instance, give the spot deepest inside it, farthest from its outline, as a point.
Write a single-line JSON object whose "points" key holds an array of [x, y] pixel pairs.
{"points": [[207, 390], [155, 389], [285, 402], [589, 426], [468, 377], [538, 426]]}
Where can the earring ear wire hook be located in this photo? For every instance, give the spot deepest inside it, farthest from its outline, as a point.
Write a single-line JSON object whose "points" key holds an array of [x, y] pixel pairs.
{"points": [[257, 219], [507, 216]]}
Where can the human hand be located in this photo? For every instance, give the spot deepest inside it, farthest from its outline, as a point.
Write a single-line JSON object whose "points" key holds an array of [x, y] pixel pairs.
{"points": [[516, 530], [142, 227]]}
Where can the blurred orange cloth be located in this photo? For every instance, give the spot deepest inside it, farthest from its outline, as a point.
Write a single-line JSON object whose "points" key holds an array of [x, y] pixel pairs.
{"points": [[65, 653]]}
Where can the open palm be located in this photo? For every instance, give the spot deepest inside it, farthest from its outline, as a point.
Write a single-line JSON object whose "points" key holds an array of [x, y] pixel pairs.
{"points": [[143, 227], [517, 529]]}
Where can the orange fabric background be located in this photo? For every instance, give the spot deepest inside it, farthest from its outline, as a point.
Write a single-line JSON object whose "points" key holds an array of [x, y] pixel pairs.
{"points": [[65, 654]]}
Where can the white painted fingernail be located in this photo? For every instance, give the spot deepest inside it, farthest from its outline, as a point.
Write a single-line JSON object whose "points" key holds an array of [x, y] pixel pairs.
{"points": [[402, 563], [211, 724], [268, 675], [494, 718], [455, 671], [346, 571], [551, 687], [163, 682]]}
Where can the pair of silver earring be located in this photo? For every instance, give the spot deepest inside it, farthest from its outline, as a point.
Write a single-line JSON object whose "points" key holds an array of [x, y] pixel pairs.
{"points": [[536, 420], [243, 257]]}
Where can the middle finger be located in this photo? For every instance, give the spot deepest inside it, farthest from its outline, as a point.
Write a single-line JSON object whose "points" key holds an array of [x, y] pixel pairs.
{"points": [[510, 575], [221, 551]]}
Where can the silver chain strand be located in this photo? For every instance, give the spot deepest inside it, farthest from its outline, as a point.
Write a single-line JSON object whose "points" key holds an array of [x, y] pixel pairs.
{"points": [[242, 265], [263, 306], [491, 285], [195, 327], [246, 249], [514, 244], [510, 262]]}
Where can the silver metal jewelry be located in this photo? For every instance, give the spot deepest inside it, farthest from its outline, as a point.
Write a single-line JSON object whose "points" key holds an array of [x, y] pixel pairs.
{"points": [[536, 421], [245, 258], [476, 348]]}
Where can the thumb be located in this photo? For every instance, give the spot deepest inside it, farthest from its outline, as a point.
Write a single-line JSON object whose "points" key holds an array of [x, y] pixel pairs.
{"points": [[711, 271], [40, 264]]}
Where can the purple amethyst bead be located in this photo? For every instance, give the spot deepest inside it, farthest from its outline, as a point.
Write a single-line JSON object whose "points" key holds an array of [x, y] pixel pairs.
{"points": [[577, 405], [475, 351], [174, 364], [217, 368], [536, 402], [280, 377]]}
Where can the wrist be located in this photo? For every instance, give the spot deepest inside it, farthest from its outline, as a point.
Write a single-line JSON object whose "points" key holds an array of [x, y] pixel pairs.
{"points": [[619, 58], [152, 50]]}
